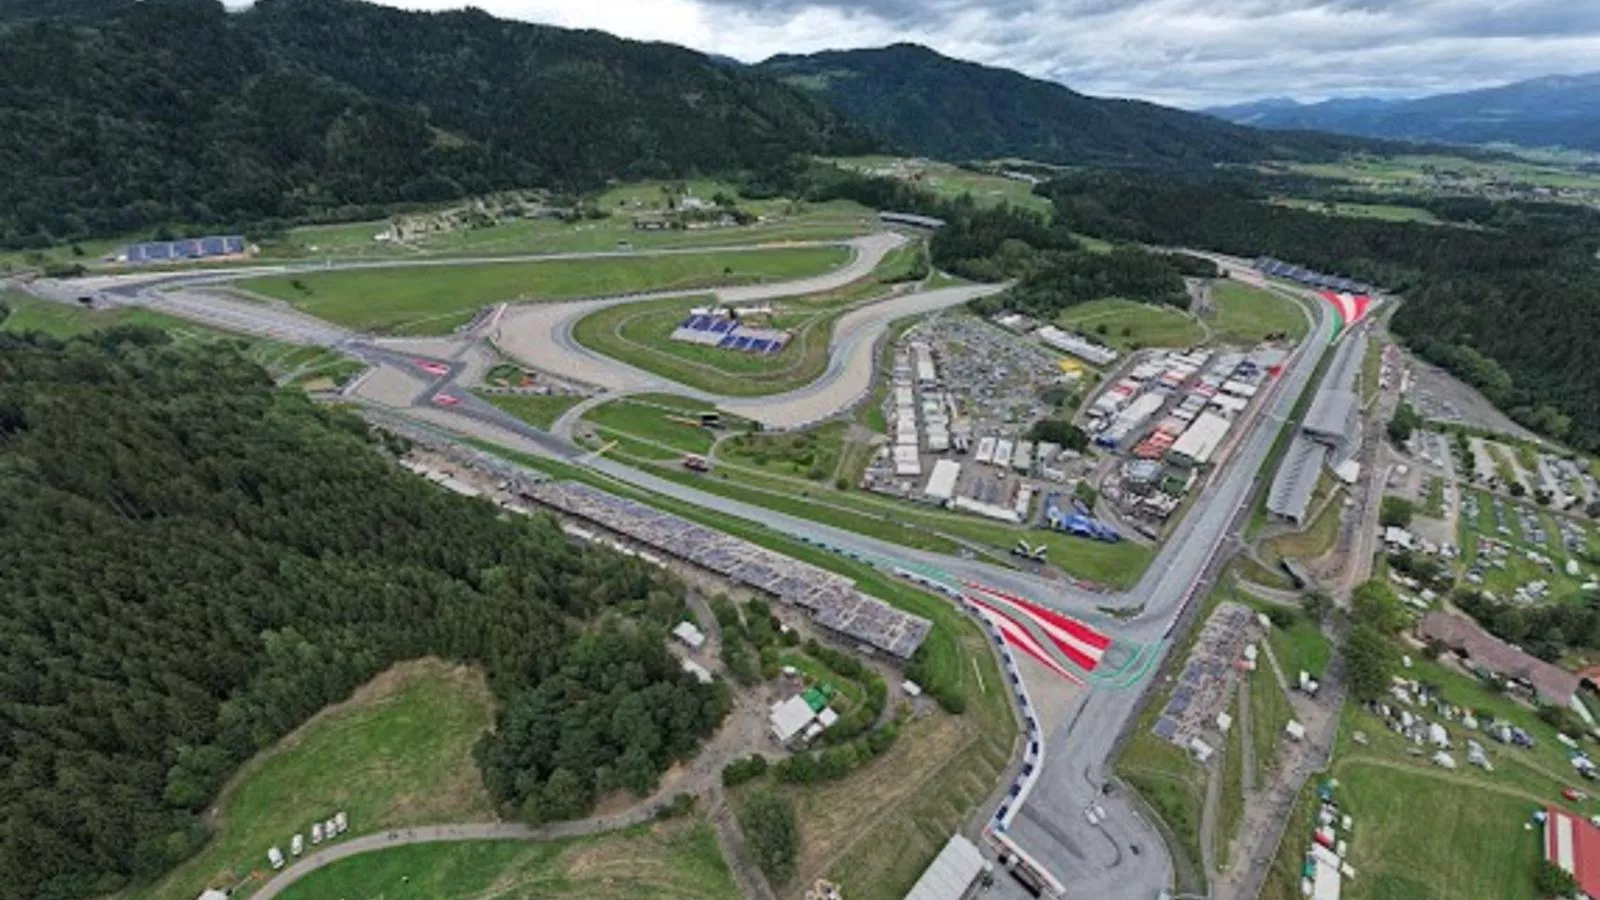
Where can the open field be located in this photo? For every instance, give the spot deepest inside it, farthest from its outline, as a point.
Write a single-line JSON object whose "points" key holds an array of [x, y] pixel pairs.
{"points": [[674, 860], [1423, 171], [398, 752], [813, 454], [1127, 325], [313, 368], [1269, 712], [1384, 211], [437, 299], [654, 418], [1469, 845], [538, 410], [951, 181], [1248, 315]]}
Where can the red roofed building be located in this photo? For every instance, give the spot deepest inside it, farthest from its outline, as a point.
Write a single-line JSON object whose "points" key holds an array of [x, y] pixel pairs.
{"points": [[1573, 845]]}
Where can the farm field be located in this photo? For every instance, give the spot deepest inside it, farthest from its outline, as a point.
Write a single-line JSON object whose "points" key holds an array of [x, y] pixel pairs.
{"points": [[673, 860], [538, 410], [437, 299], [398, 752], [1422, 170], [1248, 315], [1127, 325], [1387, 212], [951, 181]]}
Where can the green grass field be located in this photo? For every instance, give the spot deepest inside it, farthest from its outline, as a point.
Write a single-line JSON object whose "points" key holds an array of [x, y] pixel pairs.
{"points": [[813, 453], [676, 860], [1127, 325], [399, 752], [1247, 315], [1433, 502], [1230, 807], [654, 419], [1269, 712], [437, 299], [1424, 171], [951, 181], [1469, 845], [1387, 212], [538, 410]]}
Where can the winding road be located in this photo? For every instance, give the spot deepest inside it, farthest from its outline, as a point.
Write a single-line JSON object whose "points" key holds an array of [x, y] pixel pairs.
{"points": [[1120, 855]]}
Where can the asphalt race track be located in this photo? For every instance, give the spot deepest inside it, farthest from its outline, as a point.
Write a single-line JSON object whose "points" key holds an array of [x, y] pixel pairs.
{"points": [[1120, 857]]}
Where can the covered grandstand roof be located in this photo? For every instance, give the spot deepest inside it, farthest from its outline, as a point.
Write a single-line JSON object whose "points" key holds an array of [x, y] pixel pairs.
{"points": [[1296, 480]]}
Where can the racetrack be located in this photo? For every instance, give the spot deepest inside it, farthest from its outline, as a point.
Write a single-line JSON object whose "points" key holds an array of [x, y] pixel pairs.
{"points": [[540, 335]]}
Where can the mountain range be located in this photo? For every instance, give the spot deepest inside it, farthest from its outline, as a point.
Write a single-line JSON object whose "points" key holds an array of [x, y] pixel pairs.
{"points": [[121, 115], [1553, 111], [936, 106]]}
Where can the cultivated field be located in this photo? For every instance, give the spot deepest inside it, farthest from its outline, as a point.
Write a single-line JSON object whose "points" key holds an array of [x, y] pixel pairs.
{"points": [[951, 181], [398, 752], [437, 299], [675, 860], [1387, 212]]}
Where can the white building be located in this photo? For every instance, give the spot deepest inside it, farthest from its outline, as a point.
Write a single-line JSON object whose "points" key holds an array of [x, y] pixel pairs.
{"points": [[1199, 442], [790, 718], [701, 673], [907, 464], [692, 637], [1077, 346], [942, 483]]}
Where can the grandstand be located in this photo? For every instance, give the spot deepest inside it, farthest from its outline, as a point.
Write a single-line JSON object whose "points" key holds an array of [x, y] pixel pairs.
{"points": [[1266, 265], [180, 250], [726, 333]]}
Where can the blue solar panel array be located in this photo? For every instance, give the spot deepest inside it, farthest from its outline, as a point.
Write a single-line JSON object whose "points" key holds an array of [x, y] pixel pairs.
{"points": [[188, 248], [732, 340]]}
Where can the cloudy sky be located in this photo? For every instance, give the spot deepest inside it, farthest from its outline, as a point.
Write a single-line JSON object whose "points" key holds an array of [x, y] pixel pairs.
{"points": [[1183, 52]]}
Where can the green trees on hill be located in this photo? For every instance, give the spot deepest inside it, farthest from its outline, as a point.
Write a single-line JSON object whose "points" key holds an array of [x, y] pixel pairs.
{"points": [[136, 115], [196, 562]]}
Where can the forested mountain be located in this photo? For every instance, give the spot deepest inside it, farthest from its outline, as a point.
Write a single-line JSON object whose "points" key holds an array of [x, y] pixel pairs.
{"points": [[1511, 304], [195, 563], [117, 116], [932, 105], [1555, 111]]}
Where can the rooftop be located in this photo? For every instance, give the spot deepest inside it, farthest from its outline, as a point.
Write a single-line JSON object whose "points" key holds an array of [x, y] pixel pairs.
{"points": [[1466, 637]]}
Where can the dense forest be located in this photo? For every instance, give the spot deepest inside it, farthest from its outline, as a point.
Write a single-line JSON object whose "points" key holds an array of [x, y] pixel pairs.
{"points": [[121, 116], [932, 105], [196, 562], [1511, 304]]}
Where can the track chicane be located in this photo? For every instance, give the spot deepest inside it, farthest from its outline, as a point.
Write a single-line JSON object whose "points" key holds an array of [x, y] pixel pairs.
{"points": [[1079, 643]]}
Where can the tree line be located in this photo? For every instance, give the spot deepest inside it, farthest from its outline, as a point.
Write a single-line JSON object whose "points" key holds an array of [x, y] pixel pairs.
{"points": [[197, 562], [1510, 305]]}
